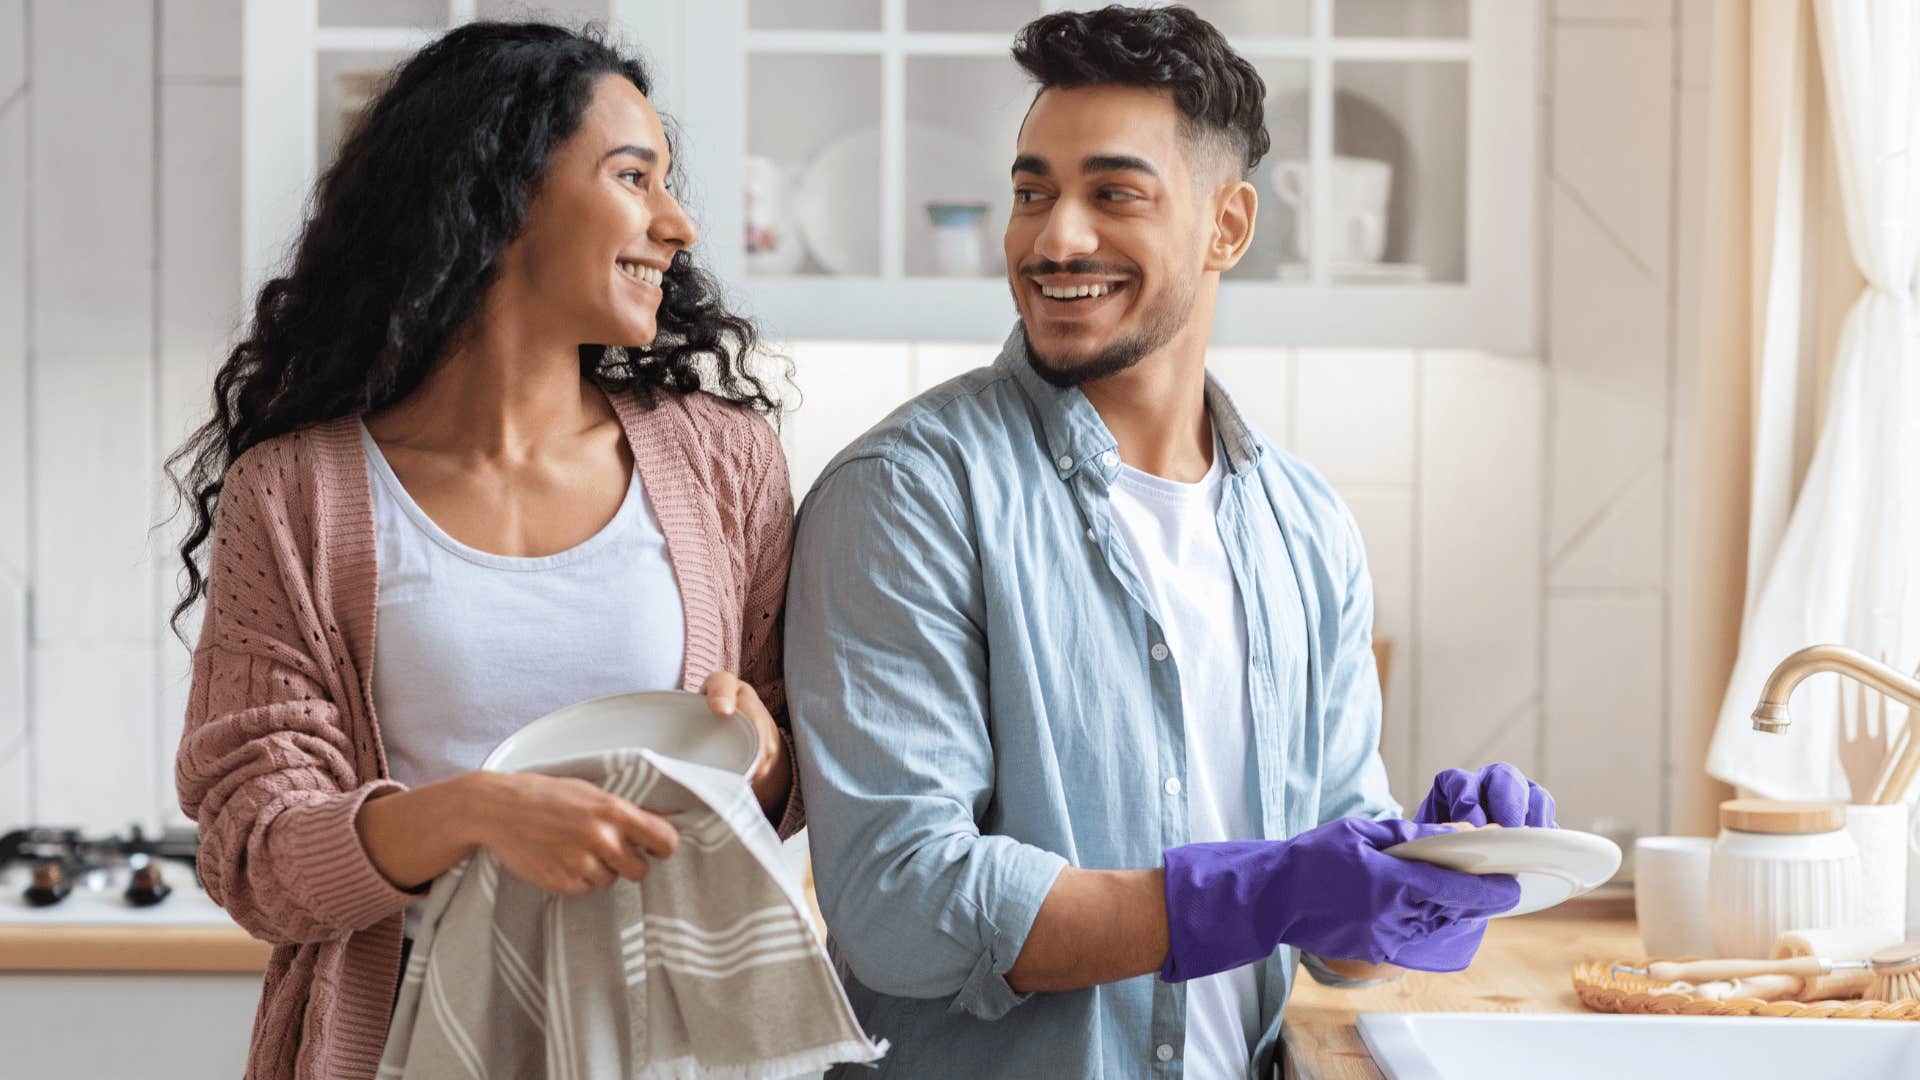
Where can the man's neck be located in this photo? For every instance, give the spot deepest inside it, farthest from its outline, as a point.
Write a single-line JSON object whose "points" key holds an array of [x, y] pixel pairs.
{"points": [[1157, 411]]}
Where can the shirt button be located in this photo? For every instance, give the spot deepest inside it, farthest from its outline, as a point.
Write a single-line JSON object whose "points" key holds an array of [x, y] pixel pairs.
{"points": [[1173, 788], [1065, 463], [1090, 535], [1158, 652], [1164, 1052], [1109, 459]]}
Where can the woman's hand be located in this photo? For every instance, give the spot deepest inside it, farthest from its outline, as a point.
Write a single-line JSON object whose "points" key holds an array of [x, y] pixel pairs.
{"points": [[565, 834], [772, 776]]}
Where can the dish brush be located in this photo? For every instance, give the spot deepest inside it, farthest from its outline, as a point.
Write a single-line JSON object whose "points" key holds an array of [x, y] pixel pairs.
{"points": [[1896, 973]]}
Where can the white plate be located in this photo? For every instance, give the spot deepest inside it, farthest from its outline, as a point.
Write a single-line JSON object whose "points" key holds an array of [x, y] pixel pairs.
{"points": [[670, 722], [837, 202], [1551, 864]]}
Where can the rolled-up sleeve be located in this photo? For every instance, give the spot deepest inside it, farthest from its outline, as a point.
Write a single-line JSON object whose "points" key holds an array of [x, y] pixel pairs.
{"points": [[887, 687]]}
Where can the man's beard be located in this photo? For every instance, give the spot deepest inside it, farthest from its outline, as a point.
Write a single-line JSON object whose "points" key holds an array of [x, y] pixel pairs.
{"points": [[1162, 322]]}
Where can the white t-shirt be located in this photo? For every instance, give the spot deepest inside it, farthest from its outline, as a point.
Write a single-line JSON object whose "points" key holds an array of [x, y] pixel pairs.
{"points": [[469, 646], [1172, 534]]}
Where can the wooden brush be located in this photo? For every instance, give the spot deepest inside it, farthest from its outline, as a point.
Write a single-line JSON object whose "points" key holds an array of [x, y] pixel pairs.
{"points": [[1896, 973]]}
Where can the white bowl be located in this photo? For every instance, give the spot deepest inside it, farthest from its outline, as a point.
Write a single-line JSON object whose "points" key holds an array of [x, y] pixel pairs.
{"points": [[670, 722]]}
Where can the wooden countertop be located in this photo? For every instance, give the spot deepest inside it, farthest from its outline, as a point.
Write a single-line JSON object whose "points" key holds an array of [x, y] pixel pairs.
{"points": [[1525, 965], [122, 947]]}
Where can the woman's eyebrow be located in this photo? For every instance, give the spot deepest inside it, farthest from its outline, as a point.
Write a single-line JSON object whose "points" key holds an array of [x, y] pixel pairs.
{"points": [[644, 153]]}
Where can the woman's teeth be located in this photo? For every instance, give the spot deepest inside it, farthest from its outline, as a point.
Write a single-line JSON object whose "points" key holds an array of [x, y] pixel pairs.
{"points": [[1074, 292], [642, 273]]}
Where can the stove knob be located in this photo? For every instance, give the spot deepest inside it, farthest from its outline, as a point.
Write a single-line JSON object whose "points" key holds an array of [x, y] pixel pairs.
{"points": [[146, 888], [50, 884]]}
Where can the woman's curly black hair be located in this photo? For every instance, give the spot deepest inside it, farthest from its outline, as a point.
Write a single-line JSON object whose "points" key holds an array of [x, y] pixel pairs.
{"points": [[403, 239], [1220, 96]]}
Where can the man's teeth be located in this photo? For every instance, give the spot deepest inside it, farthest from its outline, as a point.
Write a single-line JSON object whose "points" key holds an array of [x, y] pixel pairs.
{"points": [[1074, 292], [643, 273]]}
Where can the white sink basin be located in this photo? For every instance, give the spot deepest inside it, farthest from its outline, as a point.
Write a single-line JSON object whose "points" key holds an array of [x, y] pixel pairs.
{"points": [[1476, 1046]]}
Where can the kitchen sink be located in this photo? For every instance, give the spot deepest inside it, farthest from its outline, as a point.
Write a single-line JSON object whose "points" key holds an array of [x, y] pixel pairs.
{"points": [[1474, 1046]]}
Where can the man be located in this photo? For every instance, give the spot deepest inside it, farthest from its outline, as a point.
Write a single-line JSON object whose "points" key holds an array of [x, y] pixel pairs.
{"points": [[1080, 666]]}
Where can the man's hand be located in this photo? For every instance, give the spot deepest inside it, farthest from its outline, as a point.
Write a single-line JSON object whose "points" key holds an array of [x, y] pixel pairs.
{"points": [[1332, 891], [1498, 794]]}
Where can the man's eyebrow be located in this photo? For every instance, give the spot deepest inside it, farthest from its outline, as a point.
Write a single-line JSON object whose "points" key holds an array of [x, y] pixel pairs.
{"points": [[1030, 164], [1100, 163], [644, 153]]}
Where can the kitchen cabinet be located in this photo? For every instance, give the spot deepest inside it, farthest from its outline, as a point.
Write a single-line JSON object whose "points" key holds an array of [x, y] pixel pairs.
{"points": [[847, 159]]}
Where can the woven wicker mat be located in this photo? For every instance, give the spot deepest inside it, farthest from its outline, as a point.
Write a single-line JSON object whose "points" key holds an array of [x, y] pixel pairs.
{"points": [[1604, 990]]}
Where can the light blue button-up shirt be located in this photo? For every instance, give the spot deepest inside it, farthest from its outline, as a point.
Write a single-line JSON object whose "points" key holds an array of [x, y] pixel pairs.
{"points": [[981, 696]]}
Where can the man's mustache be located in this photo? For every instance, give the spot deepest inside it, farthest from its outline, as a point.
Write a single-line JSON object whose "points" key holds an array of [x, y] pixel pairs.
{"points": [[1078, 267]]}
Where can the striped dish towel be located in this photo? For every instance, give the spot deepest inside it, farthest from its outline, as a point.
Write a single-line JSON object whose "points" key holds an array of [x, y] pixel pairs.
{"points": [[707, 967]]}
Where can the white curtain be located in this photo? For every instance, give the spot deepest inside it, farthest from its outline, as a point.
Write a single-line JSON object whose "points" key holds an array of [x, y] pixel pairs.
{"points": [[1844, 568]]}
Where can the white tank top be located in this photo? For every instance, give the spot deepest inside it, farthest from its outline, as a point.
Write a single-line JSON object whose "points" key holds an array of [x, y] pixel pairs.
{"points": [[469, 646]]}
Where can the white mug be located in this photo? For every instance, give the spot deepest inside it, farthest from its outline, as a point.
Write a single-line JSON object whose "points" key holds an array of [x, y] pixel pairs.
{"points": [[1357, 211], [1913, 876], [1670, 895], [1881, 833]]}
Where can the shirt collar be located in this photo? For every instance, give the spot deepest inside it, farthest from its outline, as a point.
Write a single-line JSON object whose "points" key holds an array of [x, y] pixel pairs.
{"points": [[1077, 437]]}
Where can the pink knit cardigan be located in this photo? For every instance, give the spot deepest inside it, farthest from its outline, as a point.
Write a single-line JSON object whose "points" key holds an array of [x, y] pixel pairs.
{"points": [[282, 747]]}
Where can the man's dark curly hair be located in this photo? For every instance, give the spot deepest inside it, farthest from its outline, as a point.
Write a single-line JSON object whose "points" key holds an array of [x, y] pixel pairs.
{"points": [[1219, 95], [403, 238]]}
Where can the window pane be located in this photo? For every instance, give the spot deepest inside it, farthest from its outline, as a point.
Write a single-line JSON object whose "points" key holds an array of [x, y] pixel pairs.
{"points": [[1280, 213], [347, 83], [813, 14], [1398, 210], [813, 164], [1400, 18], [430, 13], [976, 16], [568, 13], [963, 120], [1257, 18]]}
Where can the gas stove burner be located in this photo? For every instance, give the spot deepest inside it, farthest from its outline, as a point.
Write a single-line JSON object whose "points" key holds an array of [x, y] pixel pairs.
{"points": [[61, 857], [50, 884], [147, 889]]}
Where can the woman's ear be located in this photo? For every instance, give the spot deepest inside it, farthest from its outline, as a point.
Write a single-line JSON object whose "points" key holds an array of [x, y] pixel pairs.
{"points": [[1233, 208]]}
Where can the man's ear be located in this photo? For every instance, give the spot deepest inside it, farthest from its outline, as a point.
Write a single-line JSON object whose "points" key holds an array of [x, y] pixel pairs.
{"points": [[1234, 208]]}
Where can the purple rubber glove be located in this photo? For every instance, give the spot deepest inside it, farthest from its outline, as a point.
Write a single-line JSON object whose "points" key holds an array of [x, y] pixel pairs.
{"points": [[1331, 891], [1496, 795]]}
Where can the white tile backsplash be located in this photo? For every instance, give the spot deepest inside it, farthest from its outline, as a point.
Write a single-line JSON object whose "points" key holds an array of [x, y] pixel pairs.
{"points": [[13, 667], [93, 742], [1479, 550], [1624, 546], [13, 341], [200, 39], [93, 482], [1353, 414], [1608, 324], [1385, 516], [13, 48], [1612, 136], [92, 163], [1604, 705], [16, 785], [1603, 439], [200, 286], [1261, 384], [846, 387], [934, 362]]}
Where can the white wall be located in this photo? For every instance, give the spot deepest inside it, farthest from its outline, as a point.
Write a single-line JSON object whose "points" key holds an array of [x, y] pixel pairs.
{"points": [[1514, 508]]}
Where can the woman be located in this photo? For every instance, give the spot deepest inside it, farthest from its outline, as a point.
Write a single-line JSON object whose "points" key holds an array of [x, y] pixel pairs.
{"points": [[426, 431]]}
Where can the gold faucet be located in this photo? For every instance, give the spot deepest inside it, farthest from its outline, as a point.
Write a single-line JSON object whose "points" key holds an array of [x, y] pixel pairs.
{"points": [[1771, 714]]}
